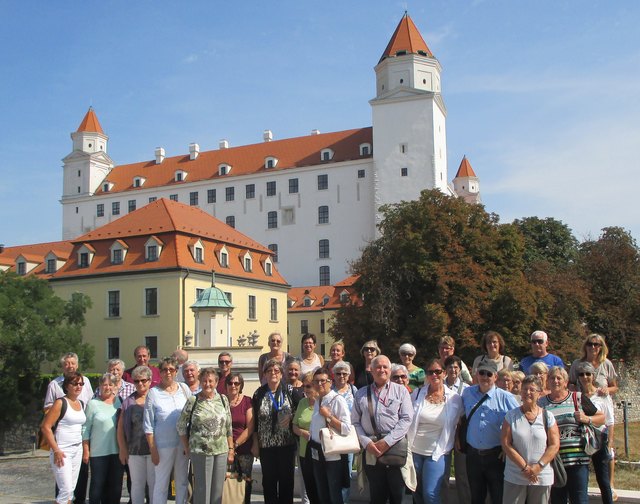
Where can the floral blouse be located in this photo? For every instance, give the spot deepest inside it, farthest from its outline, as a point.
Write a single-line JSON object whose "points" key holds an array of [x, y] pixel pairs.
{"points": [[210, 424]]}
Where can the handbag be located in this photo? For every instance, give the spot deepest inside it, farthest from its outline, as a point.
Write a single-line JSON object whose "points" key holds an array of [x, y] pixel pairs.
{"points": [[463, 424], [233, 489], [396, 455], [334, 443], [591, 435], [559, 472]]}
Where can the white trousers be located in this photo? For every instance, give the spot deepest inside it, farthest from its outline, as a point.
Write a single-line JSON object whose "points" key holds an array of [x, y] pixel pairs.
{"points": [[142, 472], [171, 458], [67, 475]]}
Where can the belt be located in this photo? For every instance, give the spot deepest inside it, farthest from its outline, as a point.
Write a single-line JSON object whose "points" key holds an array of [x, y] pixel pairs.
{"points": [[484, 453]]}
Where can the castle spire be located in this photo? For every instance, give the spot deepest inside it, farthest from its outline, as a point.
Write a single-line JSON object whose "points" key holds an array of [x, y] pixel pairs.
{"points": [[465, 169], [90, 123], [406, 40]]}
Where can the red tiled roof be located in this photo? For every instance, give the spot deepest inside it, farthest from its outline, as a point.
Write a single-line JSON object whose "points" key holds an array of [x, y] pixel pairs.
{"points": [[317, 293], [90, 123], [35, 252], [465, 169], [406, 40], [348, 282], [175, 225], [244, 160]]}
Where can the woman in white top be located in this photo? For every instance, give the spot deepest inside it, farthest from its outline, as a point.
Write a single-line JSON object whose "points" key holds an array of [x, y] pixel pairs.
{"points": [[437, 410], [65, 438], [529, 447], [330, 410], [309, 359]]}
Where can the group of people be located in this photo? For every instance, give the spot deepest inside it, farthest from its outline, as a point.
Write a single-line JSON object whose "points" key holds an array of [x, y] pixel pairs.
{"points": [[500, 428]]}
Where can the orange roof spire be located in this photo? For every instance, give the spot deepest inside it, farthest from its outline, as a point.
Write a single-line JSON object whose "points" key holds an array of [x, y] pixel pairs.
{"points": [[406, 40], [465, 169], [90, 123]]}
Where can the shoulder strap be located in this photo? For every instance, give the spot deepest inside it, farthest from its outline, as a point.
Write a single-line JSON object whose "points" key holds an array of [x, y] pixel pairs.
{"points": [[574, 396], [195, 403], [63, 411], [473, 410], [373, 421], [224, 401]]}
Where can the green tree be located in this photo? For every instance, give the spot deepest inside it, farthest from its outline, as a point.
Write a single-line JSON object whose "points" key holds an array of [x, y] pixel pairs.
{"points": [[440, 267], [547, 240], [610, 266], [36, 327]]}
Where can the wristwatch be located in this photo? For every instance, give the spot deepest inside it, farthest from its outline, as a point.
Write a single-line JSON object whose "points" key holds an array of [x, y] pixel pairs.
{"points": [[542, 464]]}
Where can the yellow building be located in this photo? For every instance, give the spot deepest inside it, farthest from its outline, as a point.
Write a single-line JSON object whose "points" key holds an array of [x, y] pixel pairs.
{"points": [[312, 309], [144, 271]]}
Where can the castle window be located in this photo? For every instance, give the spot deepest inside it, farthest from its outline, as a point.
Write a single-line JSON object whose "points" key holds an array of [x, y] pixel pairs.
{"points": [[274, 310], [173, 197], [323, 182], [84, 260], [152, 199], [326, 155], [132, 205], [151, 301], [268, 268], [113, 348], [199, 256], [113, 306], [231, 221], [247, 264], [193, 198], [211, 195], [21, 268], [115, 208], [272, 220], [180, 175], [138, 181], [152, 253], [293, 185], [273, 247], [325, 275], [360, 173], [250, 190], [224, 259], [323, 249], [100, 210], [51, 266], [270, 162], [404, 172], [306, 302], [271, 188], [252, 307], [153, 249], [224, 169], [365, 149], [116, 256], [304, 326], [323, 214], [230, 193]]}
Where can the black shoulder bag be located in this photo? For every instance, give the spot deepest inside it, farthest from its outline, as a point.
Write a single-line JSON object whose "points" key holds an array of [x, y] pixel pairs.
{"points": [[461, 432]]}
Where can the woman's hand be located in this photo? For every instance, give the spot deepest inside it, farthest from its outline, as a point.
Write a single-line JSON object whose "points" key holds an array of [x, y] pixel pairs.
{"points": [[58, 458], [325, 411], [124, 455], [603, 391], [230, 456], [155, 456]]}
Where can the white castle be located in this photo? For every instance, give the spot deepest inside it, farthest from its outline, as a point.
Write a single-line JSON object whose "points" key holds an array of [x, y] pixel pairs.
{"points": [[313, 200]]}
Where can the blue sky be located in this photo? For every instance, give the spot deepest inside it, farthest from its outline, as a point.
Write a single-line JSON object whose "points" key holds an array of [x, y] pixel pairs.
{"points": [[543, 97]]}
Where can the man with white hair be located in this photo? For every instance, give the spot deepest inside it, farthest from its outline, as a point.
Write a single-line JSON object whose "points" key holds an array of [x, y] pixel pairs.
{"points": [[116, 368], [539, 343], [181, 356]]}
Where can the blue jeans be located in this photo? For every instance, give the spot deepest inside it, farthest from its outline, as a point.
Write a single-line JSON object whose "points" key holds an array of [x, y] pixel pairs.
{"points": [[430, 474], [600, 461], [106, 479], [576, 488]]}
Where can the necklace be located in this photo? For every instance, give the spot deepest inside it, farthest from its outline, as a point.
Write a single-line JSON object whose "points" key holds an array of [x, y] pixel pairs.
{"points": [[531, 415], [236, 400], [435, 397]]}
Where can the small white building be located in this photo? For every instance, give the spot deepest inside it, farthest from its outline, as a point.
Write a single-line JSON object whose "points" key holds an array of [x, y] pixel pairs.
{"points": [[313, 200]]}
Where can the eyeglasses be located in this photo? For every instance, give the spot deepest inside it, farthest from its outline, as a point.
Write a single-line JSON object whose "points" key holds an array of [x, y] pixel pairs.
{"points": [[482, 372], [143, 380], [594, 344], [407, 355], [276, 341], [368, 349], [584, 374], [342, 373], [320, 382], [77, 384], [537, 342], [273, 371], [434, 372], [233, 384], [399, 377]]}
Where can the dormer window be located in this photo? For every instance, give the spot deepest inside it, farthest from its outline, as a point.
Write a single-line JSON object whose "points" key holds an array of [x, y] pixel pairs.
{"points": [[268, 267], [224, 169], [326, 155], [152, 249], [52, 266], [223, 257], [344, 296], [247, 262], [85, 255], [307, 301], [180, 175], [138, 181], [325, 300], [21, 268], [365, 149], [197, 251], [107, 186], [270, 162], [118, 251]]}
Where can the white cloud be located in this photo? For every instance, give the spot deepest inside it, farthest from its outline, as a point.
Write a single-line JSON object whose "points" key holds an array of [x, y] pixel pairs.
{"points": [[191, 58]]}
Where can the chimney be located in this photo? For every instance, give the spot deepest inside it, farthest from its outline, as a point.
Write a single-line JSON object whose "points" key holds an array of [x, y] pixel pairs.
{"points": [[267, 136], [159, 155], [224, 144], [315, 131], [1, 248], [194, 150]]}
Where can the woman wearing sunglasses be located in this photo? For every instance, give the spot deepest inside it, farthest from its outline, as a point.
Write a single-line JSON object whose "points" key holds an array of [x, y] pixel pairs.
{"points": [[595, 352], [242, 424], [586, 380], [363, 372], [437, 410], [132, 441]]}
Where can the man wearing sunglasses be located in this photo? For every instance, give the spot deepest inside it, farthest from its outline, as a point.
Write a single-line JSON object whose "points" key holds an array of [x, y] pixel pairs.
{"points": [[485, 460], [225, 361], [539, 343]]}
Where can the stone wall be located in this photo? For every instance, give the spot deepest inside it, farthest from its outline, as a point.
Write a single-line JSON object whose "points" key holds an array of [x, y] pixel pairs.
{"points": [[629, 390]]}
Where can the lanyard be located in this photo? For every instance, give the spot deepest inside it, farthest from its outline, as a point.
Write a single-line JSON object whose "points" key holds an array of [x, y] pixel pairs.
{"points": [[277, 404]]}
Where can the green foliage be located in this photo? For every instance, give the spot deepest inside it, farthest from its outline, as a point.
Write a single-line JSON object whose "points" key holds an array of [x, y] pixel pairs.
{"points": [[610, 266], [36, 327], [547, 240]]}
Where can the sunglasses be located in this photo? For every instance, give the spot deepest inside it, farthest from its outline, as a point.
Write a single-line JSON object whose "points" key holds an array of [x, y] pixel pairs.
{"points": [[537, 342], [594, 344], [437, 372], [368, 349], [320, 382], [399, 377], [144, 380], [482, 372], [584, 374], [224, 362], [77, 384], [233, 384]]}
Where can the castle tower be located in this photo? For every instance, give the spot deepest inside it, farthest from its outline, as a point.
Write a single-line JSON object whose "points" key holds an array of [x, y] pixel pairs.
{"points": [[466, 183], [83, 171], [409, 119]]}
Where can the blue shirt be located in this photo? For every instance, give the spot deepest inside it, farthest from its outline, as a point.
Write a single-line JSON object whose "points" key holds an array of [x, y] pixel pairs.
{"points": [[484, 428], [550, 360]]}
